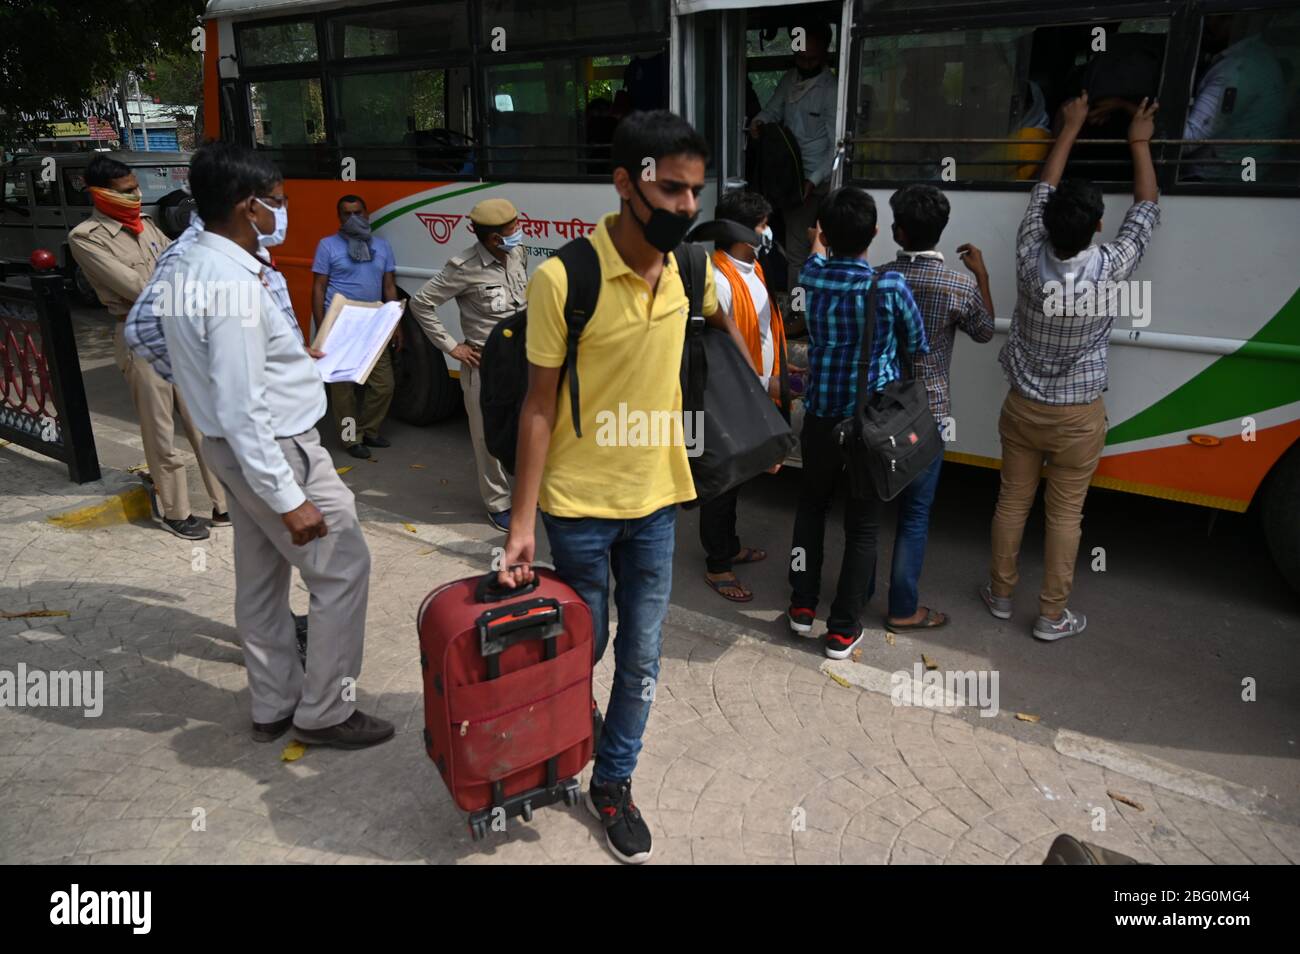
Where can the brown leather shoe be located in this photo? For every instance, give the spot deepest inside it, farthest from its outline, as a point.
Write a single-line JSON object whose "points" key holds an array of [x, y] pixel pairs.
{"points": [[270, 731], [356, 732]]}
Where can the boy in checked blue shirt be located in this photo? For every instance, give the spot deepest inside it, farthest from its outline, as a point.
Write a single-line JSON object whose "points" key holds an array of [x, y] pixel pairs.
{"points": [[837, 284]]}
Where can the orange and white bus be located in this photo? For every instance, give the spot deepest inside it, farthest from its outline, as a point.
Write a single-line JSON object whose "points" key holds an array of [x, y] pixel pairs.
{"points": [[426, 107]]}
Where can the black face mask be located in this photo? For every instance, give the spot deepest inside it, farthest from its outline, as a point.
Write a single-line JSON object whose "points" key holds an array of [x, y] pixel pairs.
{"points": [[665, 230], [808, 73]]}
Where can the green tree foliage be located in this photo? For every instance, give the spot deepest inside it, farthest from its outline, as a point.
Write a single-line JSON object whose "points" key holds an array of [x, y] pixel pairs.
{"points": [[57, 54]]}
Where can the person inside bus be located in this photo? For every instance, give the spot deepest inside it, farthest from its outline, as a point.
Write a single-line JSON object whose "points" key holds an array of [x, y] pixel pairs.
{"points": [[117, 247], [257, 394], [837, 286], [1241, 94], [1055, 360], [743, 296], [488, 281], [805, 101], [948, 300], [361, 267], [613, 503]]}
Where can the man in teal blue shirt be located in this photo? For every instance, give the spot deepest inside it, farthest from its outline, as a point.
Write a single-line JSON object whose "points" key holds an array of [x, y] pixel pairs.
{"points": [[359, 266]]}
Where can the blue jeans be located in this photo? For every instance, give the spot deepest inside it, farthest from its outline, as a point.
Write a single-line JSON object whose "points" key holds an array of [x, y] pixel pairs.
{"points": [[640, 554], [909, 540]]}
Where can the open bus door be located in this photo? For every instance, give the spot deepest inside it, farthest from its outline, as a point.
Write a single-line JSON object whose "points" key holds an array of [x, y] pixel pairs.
{"points": [[731, 54]]}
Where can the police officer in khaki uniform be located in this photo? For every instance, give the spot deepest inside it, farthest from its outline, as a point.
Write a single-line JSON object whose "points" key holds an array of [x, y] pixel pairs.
{"points": [[117, 248], [488, 281]]}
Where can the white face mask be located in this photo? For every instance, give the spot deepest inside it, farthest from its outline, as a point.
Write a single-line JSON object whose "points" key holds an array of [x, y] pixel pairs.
{"points": [[276, 236]]}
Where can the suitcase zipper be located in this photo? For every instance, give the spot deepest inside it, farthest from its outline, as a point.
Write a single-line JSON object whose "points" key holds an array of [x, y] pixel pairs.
{"points": [[463, 727]]}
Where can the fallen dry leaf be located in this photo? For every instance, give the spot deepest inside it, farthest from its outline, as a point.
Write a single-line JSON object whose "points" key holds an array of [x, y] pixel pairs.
{"points": [[32, 614], [409, 527], [1125, 800], [293, 751], [857, 654], [840, 679], [425, 552], [137, 468], [342, 470], [929, 663], [889, 637], [417, 467], [1026, 717]]}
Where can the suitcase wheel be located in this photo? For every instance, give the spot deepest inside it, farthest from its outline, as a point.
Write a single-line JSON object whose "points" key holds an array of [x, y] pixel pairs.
{"points": [[478, 829], [572, 794]]}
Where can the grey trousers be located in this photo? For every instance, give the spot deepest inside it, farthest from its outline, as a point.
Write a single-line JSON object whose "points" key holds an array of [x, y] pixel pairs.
{"points": [[336, 570], [493, 484], [798, 220]]}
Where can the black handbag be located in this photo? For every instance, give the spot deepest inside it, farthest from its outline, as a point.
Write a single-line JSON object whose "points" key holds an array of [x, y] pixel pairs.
{"points": [[737, 431], [892, 437]]}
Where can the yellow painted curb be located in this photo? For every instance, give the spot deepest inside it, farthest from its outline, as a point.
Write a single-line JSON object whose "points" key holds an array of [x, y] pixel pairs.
{"points": [[122, 507]]}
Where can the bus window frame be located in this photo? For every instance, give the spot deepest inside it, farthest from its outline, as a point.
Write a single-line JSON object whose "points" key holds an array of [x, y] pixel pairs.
{"points": [[1182, 48], [323, 159]]}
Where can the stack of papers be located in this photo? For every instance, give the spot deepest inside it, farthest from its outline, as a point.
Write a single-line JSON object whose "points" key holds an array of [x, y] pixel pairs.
{"points": [[353, 336]]}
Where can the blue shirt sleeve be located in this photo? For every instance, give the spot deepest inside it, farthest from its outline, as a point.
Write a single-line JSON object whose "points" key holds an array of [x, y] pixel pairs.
{"points": [[387, 258], [321, 263]]}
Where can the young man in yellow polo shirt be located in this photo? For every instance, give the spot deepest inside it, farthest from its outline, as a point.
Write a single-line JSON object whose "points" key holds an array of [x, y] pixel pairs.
{"points": [[609, 498]]}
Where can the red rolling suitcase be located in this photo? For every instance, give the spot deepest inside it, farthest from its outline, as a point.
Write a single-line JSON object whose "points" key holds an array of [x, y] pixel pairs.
{"points": [[507, 694]]}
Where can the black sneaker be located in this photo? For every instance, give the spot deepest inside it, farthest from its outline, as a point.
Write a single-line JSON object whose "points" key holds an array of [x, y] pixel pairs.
{"points": [[220, 519], [359, 451], [841, 645], [376, 441], [191, 528], [626, 832]]}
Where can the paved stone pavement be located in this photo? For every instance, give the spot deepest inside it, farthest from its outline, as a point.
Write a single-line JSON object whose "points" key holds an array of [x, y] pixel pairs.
{"points": [[753, 753]]}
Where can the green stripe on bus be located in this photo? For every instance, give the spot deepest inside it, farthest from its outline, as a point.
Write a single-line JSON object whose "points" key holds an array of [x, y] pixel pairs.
{"points": [[383, 219], [1259, 375]]}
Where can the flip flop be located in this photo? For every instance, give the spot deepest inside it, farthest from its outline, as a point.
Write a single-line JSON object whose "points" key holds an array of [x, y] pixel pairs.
{"points": [[933, 620], [751, 555], [718, 585]]}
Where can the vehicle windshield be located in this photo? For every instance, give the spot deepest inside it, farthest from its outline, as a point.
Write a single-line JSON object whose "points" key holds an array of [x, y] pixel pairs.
{"points": [[155, 182]]}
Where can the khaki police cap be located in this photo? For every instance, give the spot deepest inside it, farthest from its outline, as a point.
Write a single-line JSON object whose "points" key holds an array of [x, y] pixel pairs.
{"points": [[493, 212]]}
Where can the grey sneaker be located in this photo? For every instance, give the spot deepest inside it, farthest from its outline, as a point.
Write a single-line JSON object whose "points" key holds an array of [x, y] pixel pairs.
{"points": [[999, 606], [1070, 624]]}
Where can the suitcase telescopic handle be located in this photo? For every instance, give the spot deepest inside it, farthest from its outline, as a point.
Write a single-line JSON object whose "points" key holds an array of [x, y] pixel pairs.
{"points": [[499, 629], [489, 590]]}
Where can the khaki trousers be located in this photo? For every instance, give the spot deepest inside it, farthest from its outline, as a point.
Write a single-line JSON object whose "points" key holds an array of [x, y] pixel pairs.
{"points": [[1069, 438], [378, 396], [156, 402], [336, 571], [493, 485]]}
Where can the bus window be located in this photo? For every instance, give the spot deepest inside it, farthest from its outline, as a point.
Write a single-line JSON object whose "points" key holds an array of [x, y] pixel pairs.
{"points": [[556, 116], [950, 86], [511, 23], [406, 31], [987, 98], [398, 123], [286, 113], [277, 44], [157, 181], [1247, 86]]}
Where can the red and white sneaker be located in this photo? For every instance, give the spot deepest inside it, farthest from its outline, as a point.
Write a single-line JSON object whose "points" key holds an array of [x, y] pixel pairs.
{"points": [[801, 620]]}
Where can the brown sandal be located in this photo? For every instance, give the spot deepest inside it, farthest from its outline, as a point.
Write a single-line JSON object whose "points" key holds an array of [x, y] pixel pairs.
{"points": [[749, 555], [933, 620], [718, 585]]}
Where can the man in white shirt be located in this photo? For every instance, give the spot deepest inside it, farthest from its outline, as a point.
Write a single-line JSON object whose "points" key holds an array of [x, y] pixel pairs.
{"points": [[805, 101], [256, 395]]}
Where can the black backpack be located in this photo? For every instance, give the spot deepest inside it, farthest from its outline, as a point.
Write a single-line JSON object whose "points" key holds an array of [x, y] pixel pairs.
{"points": [[504, 365]]}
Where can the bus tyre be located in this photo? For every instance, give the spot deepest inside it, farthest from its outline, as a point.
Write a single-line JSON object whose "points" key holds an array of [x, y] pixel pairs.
{"points": [[423, 391], [1280, 514]]}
